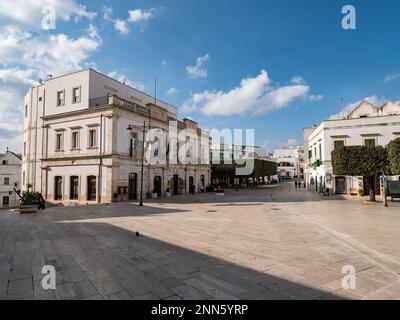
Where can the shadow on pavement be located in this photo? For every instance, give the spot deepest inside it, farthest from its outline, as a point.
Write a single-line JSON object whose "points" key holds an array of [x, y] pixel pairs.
{"points": [[146, 267]]}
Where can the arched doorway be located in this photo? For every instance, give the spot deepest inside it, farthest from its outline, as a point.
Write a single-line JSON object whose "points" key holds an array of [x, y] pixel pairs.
{"points": [[175, 180], [74, 188], [132, 186], [202, 181], [58, 188], [157, 185], [91, 188], [192, 186]]}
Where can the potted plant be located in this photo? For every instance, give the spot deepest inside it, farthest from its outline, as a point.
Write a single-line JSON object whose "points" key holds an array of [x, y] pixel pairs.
{"points": [[168, 193], [360, 192], [154, 195], [28, 201]]}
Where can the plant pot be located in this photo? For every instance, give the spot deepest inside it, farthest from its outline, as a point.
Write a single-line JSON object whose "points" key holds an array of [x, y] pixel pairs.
{"points": [[154, 195], [168, 194], [28, 208], [360, 193]]}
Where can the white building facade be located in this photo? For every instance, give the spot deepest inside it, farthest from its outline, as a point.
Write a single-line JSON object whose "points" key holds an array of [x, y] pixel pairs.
{"points": [[366, 124], [82, 142], [289, 162], [221, 152], [10, 174]]}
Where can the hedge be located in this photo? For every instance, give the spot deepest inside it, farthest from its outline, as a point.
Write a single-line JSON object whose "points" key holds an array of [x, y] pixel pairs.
{"points": [[394, 156]]}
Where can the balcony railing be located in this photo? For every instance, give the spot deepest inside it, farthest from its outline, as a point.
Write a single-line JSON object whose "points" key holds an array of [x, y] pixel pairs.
{"points": [[113, 100]]}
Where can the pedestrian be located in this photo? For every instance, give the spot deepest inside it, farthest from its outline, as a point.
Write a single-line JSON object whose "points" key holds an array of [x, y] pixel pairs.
{"points": [[42, 202], [295, 183], [192, 189]]}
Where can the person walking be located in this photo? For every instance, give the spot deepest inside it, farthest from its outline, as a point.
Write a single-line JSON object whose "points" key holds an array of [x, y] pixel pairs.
{"points": [[295, 183], [192, 189]]}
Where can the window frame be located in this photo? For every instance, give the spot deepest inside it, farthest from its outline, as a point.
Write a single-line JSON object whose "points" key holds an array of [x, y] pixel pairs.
{"points": [[59, 147], [92, 143], [73, 95], [58, 100], [338, 140], [371, 139], [6, 179], [73, 146]]}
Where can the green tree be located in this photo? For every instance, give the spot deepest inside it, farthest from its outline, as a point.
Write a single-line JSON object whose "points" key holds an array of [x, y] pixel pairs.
{"points": [[394, 156], [262, 168], [363, 161]]}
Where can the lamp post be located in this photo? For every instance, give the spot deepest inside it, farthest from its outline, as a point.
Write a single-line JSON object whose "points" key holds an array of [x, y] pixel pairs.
{"points": [[142, 166], [384, 182]]}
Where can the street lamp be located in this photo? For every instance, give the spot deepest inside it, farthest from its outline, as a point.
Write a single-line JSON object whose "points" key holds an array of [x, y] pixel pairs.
{"points": [[384, 183], [141, 177]]}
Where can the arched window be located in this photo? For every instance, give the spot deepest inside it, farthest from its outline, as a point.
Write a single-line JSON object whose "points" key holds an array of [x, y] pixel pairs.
{"points": [[91, 188], [58, 188], [74, 188]]}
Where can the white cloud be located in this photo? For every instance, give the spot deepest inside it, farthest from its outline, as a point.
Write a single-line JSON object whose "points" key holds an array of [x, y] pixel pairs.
{"points": [[137, 16], [391, 77], [291, 142], [313, 97], [172, 91], [27, 54], [254, 95], [121, 26], [374, 100], [47, 54], [197, 71], [122, 78], [297, 80], [28, 13]]}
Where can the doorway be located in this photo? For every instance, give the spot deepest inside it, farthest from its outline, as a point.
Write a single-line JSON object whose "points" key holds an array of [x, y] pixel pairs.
{"points": [[157, 185], [340, 183], [132, 186], [6, 201], [202, 181], [175, 180]]}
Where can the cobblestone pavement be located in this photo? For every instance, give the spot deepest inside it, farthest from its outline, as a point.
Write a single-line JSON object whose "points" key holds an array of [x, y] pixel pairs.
{"points": [[266, 243]]}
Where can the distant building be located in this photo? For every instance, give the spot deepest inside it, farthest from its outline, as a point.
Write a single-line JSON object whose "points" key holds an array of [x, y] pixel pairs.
{"points": [[219, 152], [83, 142], [289, 162], [10, 173], [365, 124]]}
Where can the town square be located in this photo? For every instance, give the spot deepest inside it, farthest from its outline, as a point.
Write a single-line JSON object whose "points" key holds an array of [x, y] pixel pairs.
{"points": [[195, 157]]}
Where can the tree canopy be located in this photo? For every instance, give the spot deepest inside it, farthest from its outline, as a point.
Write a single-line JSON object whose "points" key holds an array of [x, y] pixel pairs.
{"points": [[366, 161], [262, 168], [360, 161], [394, 156]]}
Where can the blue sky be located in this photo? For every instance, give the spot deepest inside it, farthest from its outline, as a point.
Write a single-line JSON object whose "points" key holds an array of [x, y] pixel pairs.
{"points": [[275, 66]]}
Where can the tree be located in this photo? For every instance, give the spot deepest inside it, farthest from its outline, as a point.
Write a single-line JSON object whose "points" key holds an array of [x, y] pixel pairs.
{"points": [[394, 156], [363, 161], [262, 168]]}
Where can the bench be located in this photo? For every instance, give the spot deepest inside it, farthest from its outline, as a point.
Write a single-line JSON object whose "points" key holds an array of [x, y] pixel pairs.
{"points": [[393, 189]]}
